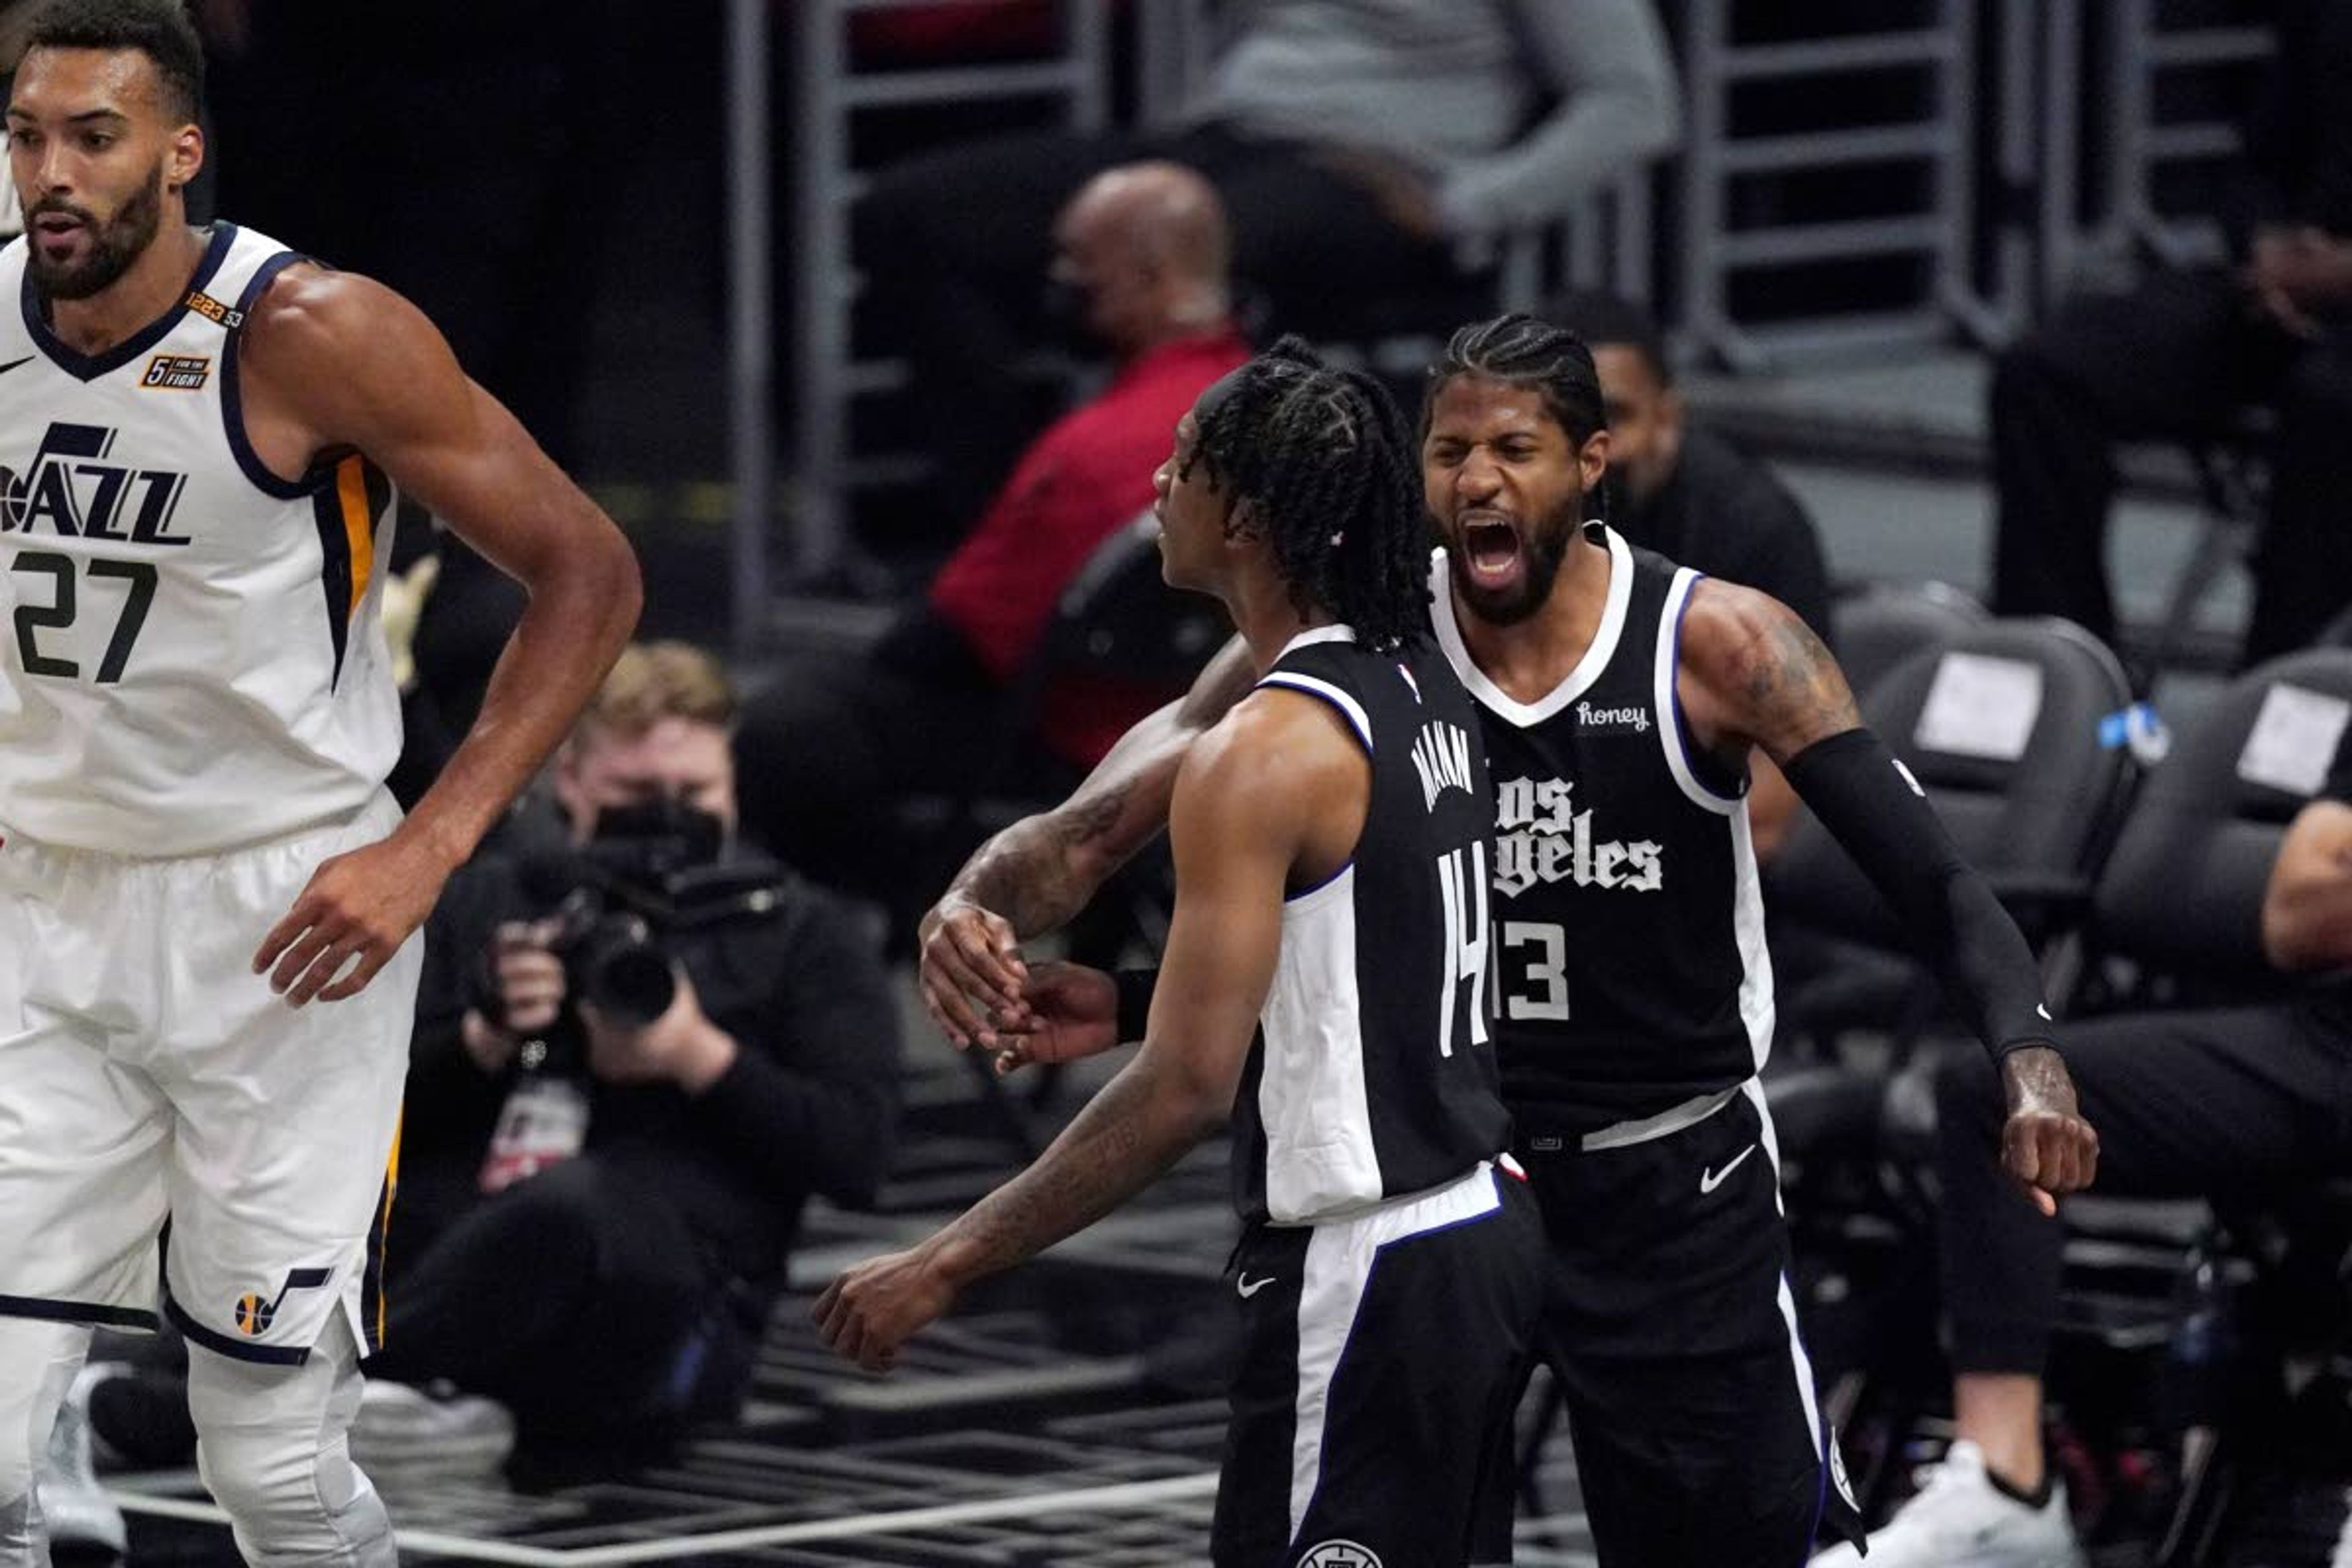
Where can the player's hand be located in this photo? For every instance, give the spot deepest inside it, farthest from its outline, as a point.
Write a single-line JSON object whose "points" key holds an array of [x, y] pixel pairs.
{"points": [[972, 976], [868, 1311], [351, 917], [681, 1047], [1070, 1011], [2045, 1146]]}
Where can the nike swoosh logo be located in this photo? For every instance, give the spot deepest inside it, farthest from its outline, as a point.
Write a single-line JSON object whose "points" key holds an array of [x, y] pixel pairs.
{"points": [[1710, 1180], [1249, 1286], [13, 364]]}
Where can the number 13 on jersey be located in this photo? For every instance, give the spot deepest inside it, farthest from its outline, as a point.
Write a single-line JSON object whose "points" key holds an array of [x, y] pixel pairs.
{"points": [[1462, 883]]}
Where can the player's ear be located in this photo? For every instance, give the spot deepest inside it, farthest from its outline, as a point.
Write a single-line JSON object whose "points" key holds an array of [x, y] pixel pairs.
{"points": [[185, 157], [1242, 525]]}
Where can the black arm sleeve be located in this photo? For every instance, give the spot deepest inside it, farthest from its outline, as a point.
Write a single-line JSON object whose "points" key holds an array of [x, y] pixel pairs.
{"points": [[1872, 807]]}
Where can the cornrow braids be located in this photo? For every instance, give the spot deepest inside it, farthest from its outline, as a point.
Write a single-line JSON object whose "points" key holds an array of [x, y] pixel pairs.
{"points": [[1524, 350], [1332, 476]]}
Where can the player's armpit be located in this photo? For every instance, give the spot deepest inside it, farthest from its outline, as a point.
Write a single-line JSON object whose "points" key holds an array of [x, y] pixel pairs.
{"points": [[1753, 673]]}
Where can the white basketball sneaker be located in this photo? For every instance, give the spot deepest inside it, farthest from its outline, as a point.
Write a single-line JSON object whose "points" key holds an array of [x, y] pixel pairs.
{"points": [[1960, 1519]]}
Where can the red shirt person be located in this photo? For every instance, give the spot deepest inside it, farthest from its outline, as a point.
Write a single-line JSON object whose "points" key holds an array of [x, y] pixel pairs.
{"points": [[1141, 254]]}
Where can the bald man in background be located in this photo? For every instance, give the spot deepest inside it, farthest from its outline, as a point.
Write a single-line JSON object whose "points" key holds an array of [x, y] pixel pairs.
{"points": [[1138, 271]]}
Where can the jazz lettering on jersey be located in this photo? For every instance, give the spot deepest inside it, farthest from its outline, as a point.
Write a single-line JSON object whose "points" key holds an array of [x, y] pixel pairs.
{"points": [[1441, 754], [1540, 836], [72, 490]]}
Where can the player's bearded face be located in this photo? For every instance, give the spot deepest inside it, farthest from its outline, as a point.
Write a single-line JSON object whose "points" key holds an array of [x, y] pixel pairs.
{"points": [[74, 253], [1476, 541]]}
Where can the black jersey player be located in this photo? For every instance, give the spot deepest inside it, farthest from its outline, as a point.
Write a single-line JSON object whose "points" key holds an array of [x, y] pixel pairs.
{"points": [[1621, 697]]}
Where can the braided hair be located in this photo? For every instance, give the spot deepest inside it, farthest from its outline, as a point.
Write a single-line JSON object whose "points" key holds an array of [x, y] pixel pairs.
{"points": [[1332, 476], [1522, 351]]}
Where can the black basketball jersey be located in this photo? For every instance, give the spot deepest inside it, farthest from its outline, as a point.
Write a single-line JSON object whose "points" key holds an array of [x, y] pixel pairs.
{"points": [[1630, 968], [1374, 1074]]}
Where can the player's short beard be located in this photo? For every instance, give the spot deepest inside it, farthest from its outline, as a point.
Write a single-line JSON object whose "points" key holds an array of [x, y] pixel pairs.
{"points": [[113, 244], [1541, 553]]}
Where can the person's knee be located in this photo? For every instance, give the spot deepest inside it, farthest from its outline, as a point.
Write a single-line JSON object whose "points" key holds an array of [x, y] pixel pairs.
{"points": [[272, 1447]]}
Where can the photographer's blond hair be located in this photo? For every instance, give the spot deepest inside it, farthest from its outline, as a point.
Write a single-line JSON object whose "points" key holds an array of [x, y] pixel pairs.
{"points": [[657, 680]]}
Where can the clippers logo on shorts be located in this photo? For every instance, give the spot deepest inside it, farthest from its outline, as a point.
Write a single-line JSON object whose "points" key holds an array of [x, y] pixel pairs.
{"points": [[70, 491], [1540, 837], [177, 372], [253, 1314], [1608, 720], [211, 309], [1339, 1554]]}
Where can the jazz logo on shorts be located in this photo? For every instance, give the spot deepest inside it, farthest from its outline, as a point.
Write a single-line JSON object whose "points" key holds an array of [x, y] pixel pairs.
{"points": [[255, 1313]]}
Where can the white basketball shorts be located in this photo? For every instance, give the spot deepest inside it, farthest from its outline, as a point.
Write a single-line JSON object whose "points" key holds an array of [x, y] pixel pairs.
{"points": [[152, 1086]]}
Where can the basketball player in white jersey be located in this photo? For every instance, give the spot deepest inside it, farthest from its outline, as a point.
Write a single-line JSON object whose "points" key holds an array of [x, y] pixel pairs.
{"points": [[1325, 991], [207, 902]]}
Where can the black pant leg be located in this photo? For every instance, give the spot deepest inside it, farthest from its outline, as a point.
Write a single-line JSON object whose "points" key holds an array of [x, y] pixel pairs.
{"points": [[828, 748], [2302, 566], [568, 1296], [2169, 359], [2222, 1103]]}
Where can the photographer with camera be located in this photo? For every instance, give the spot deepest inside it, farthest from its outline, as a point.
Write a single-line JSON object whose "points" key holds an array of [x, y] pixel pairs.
{"points": [[640, 1048]]}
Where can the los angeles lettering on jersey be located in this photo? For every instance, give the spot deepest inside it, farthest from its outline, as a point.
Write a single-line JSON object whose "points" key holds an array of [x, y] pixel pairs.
{"points": [[1540, 837], [72, 490]]}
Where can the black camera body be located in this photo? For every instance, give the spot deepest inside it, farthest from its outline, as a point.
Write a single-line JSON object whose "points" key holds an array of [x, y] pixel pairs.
{"points": [[621, 903]]}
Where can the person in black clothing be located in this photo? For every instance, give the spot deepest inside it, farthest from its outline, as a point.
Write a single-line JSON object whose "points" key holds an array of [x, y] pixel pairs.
{"points": [[2245, 1100], [1325, 992], [1621, 698], [1691, 495], [623, 1287], [2182, 355]]}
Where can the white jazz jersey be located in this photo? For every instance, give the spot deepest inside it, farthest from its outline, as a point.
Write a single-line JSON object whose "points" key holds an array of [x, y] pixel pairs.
{"points": [[191, 654]]}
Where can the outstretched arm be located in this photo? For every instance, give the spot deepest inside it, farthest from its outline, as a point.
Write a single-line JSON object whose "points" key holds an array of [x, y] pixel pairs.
{"points": [[1754, 675], [1035, 875], [336, 364], [1234, 853]]}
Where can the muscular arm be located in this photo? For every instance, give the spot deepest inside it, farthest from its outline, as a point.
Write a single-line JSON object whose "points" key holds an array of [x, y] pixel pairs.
{"points": [[1250, 800], [2307, 908], [1754, 675], [1035, 875], [334, 363]]}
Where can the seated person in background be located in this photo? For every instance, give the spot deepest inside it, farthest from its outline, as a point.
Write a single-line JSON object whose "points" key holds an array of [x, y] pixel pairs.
{"points": [[1693, 497], [1354, 142], [2217, 1103], [646, 1162], [2177, 357], [1140, 260]]}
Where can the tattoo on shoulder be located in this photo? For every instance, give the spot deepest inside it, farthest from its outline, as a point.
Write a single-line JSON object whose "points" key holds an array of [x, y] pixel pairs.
{"points": [[1794, 687]]}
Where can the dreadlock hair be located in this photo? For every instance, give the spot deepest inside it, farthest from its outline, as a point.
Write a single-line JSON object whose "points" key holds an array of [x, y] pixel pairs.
{"points": [[1330, 472], [1521, 350], [160, 29]]}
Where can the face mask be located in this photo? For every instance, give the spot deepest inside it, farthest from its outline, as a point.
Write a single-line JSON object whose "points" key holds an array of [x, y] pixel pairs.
{"points": [[658, 835]]}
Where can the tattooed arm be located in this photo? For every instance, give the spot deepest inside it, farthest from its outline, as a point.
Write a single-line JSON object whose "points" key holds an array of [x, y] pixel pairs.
{"points": [[1277, 789], [1753, 674], [1035, 875]]}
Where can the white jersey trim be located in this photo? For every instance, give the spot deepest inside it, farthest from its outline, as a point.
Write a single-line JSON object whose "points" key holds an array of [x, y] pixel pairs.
{"points": [[1312, 1098], [1670, 714], [1527, 715], [1338, 1266], [1351, 710]]}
